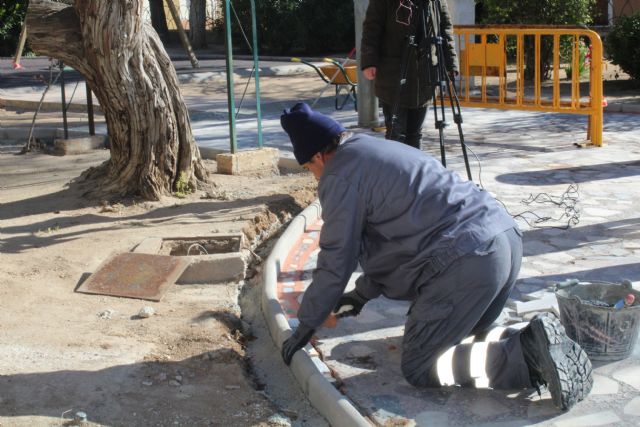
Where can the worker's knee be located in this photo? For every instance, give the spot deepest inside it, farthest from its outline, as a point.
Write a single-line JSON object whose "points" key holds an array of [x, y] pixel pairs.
{"points": [[424, 376]]}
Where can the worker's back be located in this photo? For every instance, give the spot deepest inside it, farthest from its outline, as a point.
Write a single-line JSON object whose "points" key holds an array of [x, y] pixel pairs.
{"points": [[416, 211]]}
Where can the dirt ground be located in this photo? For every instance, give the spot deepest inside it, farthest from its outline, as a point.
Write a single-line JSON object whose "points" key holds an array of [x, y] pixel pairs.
{"points": [[205, 358]]}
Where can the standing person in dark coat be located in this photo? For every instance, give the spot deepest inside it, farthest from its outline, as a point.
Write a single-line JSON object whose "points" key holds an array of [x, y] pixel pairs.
{"points": [[384, 37], [422, 234]]}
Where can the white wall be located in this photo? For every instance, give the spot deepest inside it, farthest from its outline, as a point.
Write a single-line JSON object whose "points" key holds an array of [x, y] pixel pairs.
{"points": [[463, 12]]}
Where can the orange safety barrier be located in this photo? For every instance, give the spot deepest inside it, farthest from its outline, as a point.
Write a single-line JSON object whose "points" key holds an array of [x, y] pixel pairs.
{"points": [[495, 55]]}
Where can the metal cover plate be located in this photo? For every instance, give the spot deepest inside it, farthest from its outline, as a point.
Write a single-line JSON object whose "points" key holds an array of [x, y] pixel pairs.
{"points": [[135, 275]]}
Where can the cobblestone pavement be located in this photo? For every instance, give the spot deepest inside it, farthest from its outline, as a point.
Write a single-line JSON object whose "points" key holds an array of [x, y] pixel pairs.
{"points": [[604, 245]]}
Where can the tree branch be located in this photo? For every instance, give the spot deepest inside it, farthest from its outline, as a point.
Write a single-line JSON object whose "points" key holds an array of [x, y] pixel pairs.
{"points": [[54, 30]]}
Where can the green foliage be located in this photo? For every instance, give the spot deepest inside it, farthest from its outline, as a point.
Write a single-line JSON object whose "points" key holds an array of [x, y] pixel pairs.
{"points": [[11, 16], [622, 44], [298, 26], [538, 12], [584, 60], [547, 12]]}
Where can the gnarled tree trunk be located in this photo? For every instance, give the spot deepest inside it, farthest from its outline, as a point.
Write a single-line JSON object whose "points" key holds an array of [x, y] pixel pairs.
{"points": [[125, 64]]}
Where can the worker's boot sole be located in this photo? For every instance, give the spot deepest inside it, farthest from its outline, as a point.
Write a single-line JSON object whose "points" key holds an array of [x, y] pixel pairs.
{"points": [[562, 363]]}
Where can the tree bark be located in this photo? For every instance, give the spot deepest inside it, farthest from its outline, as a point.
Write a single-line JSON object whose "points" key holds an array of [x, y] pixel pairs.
{"points": [[126, 66], [198, 23]]}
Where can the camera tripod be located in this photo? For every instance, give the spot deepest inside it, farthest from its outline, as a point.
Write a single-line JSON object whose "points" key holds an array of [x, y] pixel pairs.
{"points": [[428, 35]]}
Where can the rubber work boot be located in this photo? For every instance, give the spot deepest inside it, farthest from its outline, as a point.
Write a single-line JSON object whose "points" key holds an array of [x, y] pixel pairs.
{"points": [[555, 361]]}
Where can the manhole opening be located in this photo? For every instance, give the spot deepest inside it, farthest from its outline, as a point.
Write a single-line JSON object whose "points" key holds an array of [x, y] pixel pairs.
{"points": [[195, 247]]}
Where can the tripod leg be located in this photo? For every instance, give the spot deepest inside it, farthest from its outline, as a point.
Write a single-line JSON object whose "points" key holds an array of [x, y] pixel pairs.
{"points": [[457, 118], [445, 83], [439, 122]]}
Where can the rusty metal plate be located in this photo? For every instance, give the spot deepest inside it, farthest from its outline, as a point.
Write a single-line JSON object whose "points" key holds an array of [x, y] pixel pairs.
{"points": [[135, 275]]}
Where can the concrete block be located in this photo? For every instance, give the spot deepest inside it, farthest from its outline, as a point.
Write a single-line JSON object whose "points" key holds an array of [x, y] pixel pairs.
{"points": [[290, 164], [264, 160], [150, 245], [213, 268], [548, 303], [223, 262], [79, 145], [536, 295]]}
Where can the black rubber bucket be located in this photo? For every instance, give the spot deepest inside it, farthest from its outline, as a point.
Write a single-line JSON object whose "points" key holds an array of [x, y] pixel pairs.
{"points": [[586, 312]]}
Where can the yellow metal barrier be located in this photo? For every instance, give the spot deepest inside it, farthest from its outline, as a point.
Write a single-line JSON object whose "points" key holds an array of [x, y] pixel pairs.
{"points": [[495, 55]]}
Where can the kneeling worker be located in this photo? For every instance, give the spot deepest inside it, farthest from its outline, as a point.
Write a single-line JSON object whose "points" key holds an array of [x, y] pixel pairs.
{"points": [[423, 235]]}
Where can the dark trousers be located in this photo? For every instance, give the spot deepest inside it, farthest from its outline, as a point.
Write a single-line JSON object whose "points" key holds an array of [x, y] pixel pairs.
{"points": [[408, 128], [462, 300]]}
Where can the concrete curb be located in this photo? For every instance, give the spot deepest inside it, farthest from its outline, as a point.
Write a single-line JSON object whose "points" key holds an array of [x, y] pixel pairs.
{"points": [[622, 107], [335, 407], [23, 104], [43, 132]]}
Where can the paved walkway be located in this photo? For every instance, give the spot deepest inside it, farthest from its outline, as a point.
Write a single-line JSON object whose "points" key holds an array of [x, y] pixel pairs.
{"points": [[362, 354]]}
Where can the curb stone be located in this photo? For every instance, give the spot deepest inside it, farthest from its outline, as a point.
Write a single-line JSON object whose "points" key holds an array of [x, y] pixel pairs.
{"points": [[335, 407]]}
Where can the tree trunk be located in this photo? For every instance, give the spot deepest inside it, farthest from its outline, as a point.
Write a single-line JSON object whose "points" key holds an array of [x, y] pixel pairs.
{"points": [[159, 19], [197, 23], [126, 66]]}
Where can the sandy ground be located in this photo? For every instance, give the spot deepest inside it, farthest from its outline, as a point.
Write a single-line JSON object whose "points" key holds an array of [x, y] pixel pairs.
{"points": [[200, 360]]}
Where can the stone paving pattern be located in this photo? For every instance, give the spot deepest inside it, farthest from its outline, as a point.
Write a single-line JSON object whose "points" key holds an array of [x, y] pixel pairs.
{"points": [[364, 352]]}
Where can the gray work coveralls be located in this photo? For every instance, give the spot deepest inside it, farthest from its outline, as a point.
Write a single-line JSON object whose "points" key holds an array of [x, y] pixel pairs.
{"points": [[420, 234]]}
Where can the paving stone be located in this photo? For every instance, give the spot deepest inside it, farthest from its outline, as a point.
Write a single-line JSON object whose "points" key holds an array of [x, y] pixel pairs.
{"points": [[541, 408], [604, 385], [398, 310], [598, 419], [606, 213], [557, 258], [537, 248], [630, 375], [432, 419], [360, 351], [486, 407], [369, 316], [633, 407], [553, 232]]}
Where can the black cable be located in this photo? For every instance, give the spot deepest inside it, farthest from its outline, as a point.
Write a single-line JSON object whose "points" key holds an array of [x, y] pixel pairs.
{"points": [[568, 201]]}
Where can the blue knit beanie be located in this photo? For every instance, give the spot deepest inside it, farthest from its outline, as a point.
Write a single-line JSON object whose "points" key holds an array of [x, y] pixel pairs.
{"points": [[308, 130]]}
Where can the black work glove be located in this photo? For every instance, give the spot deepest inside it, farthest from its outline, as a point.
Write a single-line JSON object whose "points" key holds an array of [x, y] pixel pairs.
{"points": [[296, 341], [349, 304]]}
